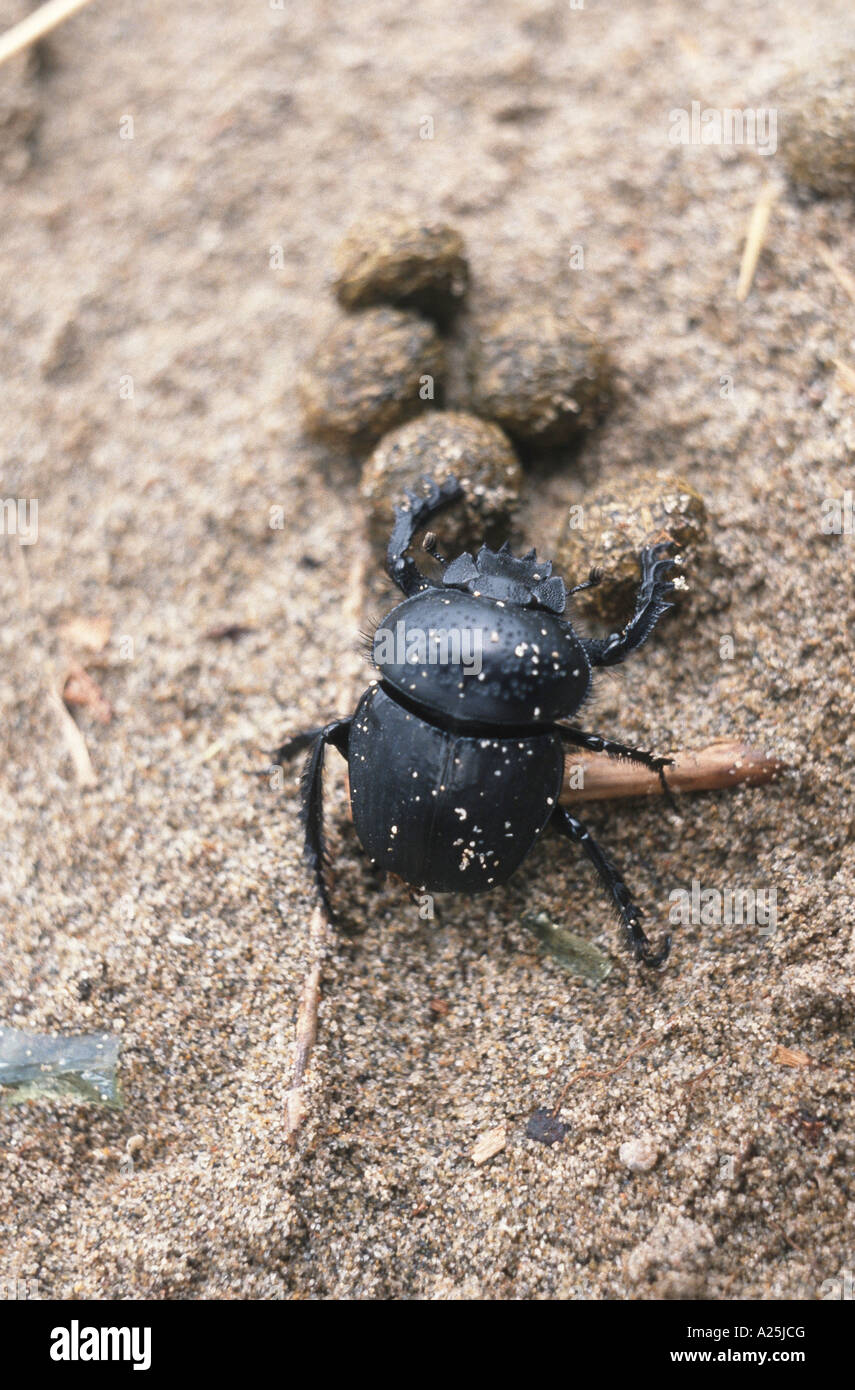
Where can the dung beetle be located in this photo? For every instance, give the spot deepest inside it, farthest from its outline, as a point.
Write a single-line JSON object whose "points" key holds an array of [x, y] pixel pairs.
{"points": [[455, 752]]}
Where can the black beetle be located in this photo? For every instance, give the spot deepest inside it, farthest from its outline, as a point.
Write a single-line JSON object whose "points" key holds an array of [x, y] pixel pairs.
{"points": [[455, 772]]}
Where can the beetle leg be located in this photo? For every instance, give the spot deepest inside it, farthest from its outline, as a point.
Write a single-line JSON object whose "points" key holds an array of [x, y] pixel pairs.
{"points": [[630, 915], [651, 602], [311, 794], [577, 738], [418, 511], [294, 745]]}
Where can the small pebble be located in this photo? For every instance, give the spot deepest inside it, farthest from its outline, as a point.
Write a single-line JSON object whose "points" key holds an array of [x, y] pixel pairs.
{"points": [[394, 260], [540, 373], [611, 529], [371, 372], [439, 444], [817, 127], [639, 1155]]}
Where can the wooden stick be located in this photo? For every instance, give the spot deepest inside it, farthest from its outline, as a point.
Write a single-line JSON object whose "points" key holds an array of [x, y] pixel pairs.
{"points": [[36, 25], [725, 763]]}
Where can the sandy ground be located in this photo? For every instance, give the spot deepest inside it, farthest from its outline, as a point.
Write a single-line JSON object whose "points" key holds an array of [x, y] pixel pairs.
{"points": [[168, 903]]}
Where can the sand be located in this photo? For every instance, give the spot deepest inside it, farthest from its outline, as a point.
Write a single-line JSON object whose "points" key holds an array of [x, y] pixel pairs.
{"points": [[168, 903]]}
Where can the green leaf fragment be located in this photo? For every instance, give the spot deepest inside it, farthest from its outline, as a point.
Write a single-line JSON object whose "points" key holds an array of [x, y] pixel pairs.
{"points": [[570, 951]]}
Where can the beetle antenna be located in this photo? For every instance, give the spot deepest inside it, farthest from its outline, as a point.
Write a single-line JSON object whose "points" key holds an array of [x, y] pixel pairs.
{"points": [[429, 544], [594, 578]]}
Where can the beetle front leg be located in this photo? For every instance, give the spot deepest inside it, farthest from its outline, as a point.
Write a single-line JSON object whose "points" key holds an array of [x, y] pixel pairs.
{"points": [[650, 604], [629, 914], [311, 794], [411, 517]]}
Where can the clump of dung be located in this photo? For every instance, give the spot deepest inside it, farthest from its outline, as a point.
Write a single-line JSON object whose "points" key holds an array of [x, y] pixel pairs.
{"points": [[817, 118], [442, 444], [610, 531], [370, 373], [540, 373], [395, 260]]}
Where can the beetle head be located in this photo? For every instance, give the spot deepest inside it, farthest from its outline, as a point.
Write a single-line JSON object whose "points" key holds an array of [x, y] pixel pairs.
{"points": [[523, 580]]}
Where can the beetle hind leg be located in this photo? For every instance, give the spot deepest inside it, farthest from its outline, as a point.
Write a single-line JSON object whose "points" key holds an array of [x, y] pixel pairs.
{"points": [[629, 914]]}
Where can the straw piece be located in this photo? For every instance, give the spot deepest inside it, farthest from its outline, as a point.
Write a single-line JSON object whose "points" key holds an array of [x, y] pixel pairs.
{"points": [[36, 25], [755, 238]]}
